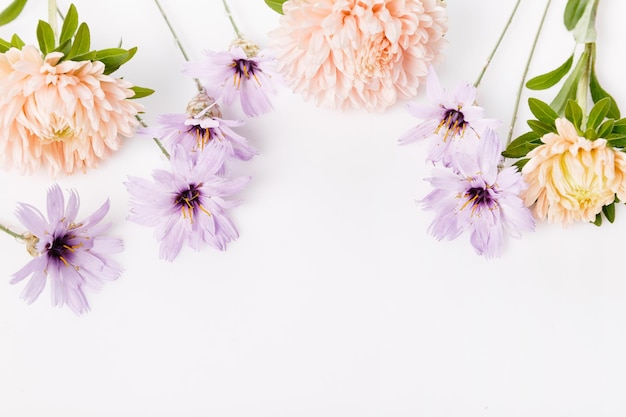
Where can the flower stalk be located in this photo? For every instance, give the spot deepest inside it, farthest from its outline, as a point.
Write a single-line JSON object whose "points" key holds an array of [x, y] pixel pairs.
{"points": [[11, 232], [52, 17], [232, 20], [518, 96]]}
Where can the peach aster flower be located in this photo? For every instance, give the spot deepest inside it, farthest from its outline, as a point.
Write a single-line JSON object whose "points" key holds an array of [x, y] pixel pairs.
{"points": [[571, 178], [358, 53], [66, 116]]}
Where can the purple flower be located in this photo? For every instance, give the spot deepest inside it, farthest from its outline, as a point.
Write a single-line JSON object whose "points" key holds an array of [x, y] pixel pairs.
{"points": [[452, 121], [230, 74], [186, 205], [72, 254], [479, 197]]}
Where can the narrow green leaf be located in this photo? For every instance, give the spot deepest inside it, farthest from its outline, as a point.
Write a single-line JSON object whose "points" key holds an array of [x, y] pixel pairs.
{"points": [[620, 126], [89, 56], [520, 164], [276, 5], [598, 220], [598, 113], [141, 92], [573, 12], [11, 12], [542, 111], [4, 46], [569, 87], [574, 113], [606, 128], [540, 128], [70, 24], [598, 93], [590, 134], [17, 42], [523, 144], [45, 37], [585, 29], [82, 41], [547, 80], [616, 140], [609, 212]]}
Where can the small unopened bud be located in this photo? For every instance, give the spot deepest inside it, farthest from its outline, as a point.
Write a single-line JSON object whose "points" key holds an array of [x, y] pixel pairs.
{"points": [[250, 48], [205, 104], [31, 244]]}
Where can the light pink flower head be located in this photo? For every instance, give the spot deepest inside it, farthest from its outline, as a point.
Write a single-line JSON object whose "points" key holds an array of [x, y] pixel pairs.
{"points": [[358, 53], [66, 116]]}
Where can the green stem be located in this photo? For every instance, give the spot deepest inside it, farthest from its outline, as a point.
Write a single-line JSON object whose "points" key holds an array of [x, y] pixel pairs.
{"points": [[232, 21], [176, 40], [52, 17], [518, 97], [495, 48], [156, 140], [11, 232], [582, 89]]}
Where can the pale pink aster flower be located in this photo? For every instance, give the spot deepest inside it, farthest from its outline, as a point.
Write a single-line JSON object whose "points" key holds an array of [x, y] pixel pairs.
{"points": [[186, 205], [479, 198], [235, 74], [570, 178], [66, 116], [202, 128], [452, 121], [72, 255], [362, 54]]}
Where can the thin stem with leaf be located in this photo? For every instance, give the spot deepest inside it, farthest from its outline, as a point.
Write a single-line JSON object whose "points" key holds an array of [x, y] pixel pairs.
{"points": [[11, 232]]}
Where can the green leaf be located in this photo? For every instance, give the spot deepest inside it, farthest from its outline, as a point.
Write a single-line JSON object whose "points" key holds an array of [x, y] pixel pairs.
{"points": [[45, 37], [598, 113], [569, 87], [141, 92], [17, 42], [542, 111], [598, 220], [574, 113], [606, 128], [89, 56], [113, 58], [70, 24], [276, 5], [616, 140], [11, 12], [598, 93], [620, 126], [591, 134], [585, 29], [540, 128], [523, 144], [4, 46], [547, 80], [573, 12], [82, 41], [609, 212], [520, 164]]}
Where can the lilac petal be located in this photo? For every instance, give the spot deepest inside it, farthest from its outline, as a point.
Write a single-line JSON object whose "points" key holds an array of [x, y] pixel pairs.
{"points": [[55, 203], [421, 131], [34, 287], [32, 219], [37, 264]]}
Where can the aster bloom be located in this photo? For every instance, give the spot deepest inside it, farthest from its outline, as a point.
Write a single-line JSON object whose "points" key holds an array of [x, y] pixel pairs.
{"points": [[362, 54], [452, 121], [203, 127], [186, 205], [64, 115], [241, 72], [479, 198], [72, 255], [571, 178]]}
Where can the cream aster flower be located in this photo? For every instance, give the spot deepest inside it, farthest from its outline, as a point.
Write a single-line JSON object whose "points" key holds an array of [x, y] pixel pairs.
{"points": [[358, 53], [571, 178], [65, 115]]}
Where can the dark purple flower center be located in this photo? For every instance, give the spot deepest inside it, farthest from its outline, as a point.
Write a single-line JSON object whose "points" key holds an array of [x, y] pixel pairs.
{"points": [[202, 135], [60, 248], [454, 123], [480, 196], [245, 68], [189, 201]]}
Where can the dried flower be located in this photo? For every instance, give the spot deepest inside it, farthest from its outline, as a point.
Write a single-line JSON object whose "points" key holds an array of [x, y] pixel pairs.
{"points": [[452, 121], [571, 178], [72, 254], [358, 54], [476, 196], [186, 205], [232, 74], [64, 115]]}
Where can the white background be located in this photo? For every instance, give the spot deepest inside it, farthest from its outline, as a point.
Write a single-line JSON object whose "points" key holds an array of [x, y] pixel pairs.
{"points": [[334, 301]]}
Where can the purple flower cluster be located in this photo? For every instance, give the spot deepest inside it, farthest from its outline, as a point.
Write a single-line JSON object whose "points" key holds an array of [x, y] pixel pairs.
{"points": [[473, 192]]}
